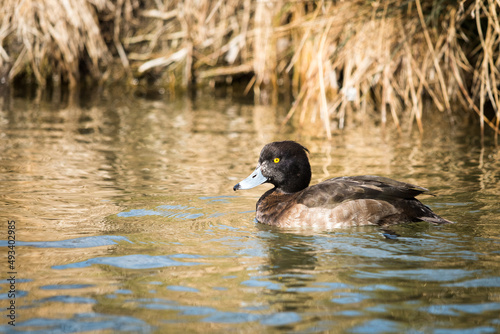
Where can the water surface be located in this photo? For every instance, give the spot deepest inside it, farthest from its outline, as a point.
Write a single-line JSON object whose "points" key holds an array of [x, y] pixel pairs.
{"points": [[126, 222]]}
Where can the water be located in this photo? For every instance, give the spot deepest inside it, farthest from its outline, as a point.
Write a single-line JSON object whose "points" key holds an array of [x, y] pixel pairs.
{"points": [[125, 221]]}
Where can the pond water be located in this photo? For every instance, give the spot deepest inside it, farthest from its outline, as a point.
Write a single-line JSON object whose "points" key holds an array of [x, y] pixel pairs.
{"points": [[126, 221]]}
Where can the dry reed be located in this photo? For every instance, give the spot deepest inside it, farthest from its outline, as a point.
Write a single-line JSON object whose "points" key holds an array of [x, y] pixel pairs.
{"points": [[50, 38], [340, 59]]}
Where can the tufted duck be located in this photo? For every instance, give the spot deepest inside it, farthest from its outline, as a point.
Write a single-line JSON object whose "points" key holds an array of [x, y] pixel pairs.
{"points": [[337, 202]]}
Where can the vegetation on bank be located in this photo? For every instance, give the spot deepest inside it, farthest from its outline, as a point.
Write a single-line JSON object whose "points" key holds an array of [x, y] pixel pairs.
{"points": [[334, 57]]}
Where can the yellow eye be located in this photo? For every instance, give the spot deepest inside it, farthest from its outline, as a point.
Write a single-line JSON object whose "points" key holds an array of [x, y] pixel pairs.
{"points": [[276, 160]]}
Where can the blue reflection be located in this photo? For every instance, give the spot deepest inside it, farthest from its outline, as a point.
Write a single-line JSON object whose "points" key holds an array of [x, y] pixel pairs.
{"points": [[349, 298], [307, 289], [428, 275], [176, 207], [136, 261], [161, 304], [377, 248], [220, 199], [377, 326], [217, 214], [379, 287], [69, 299], [83, 322], [475, 330], [232, 317], [316, 286], [65, 286], [83, 242], [19, 294], [18, 280], [178, 210], [186, 256], [139, 213], [182, 288], [488, 282], [458, 309], [261, 284], [276, 319], [281, 319], [350, 313], [166, 213], [155, 282]]}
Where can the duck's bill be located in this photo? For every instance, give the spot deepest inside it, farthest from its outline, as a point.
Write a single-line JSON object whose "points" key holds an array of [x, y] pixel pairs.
{"points": [[255, 179]]}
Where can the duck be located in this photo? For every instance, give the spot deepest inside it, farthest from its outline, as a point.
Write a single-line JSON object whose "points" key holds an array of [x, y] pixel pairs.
{"points": [[339, 202]]}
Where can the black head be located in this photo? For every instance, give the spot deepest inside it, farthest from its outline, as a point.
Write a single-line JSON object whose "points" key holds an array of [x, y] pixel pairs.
{"points": [[284, 164]]}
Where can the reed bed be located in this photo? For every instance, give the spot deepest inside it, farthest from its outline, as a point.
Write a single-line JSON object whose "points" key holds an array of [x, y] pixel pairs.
{"points": [[51, 39], [341, 60]]}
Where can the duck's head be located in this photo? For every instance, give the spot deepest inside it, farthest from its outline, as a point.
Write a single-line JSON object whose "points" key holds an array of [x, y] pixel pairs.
{"points": [[284, 164]]}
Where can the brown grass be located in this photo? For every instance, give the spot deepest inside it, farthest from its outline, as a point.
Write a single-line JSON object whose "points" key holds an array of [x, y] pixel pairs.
{"points": [[49, 39], [341, 60], [392, 59]]}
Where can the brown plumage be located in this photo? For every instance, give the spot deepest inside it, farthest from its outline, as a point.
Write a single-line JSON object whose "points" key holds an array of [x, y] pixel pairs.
{"points": [[337, 202]]}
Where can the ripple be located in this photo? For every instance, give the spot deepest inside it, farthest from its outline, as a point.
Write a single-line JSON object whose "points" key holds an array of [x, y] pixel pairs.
{"points": [[428, 275], [220, 199], [83, 322], [261, 284], [182, 288], [136, 261], [65, 286], [349, 298], [281, 319], [232, 317], [475, 330], [377, 326], [488, 282], [458, 309], [379, 287], [166, 213], [69, 299], [369, 248], [162, 304], [19, 294], [83, 242]]}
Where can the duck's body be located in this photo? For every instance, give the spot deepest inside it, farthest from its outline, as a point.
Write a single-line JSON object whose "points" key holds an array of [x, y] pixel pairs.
{"points": [[337, 202], [344, 202]]}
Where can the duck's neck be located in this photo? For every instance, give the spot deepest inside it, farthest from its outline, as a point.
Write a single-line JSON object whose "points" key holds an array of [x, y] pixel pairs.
{"points": [[272, 204], [297, 180], [300, 179]]}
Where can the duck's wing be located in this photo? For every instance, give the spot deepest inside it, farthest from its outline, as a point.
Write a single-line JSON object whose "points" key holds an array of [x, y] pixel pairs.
{"points": [[337, 190], [384, 185]]}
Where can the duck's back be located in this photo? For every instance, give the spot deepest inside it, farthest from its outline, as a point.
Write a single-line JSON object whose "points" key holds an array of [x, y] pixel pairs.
{"points": [[347, 201], [334, 191]]}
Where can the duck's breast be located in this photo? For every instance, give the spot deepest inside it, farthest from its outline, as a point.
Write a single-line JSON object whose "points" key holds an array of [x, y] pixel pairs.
{"points": [[346, 214]]}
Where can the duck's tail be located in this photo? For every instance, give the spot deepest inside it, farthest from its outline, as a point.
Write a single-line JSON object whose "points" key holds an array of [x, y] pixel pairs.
{"points": [[427, 215], [435, 219]]}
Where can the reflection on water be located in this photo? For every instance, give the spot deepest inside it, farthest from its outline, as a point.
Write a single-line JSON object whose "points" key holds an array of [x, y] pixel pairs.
{"points": [[126, 221]]}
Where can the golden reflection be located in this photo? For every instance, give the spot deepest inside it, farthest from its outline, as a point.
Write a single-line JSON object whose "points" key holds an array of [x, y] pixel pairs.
{"points": [[76, 162], [69, 172]]}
